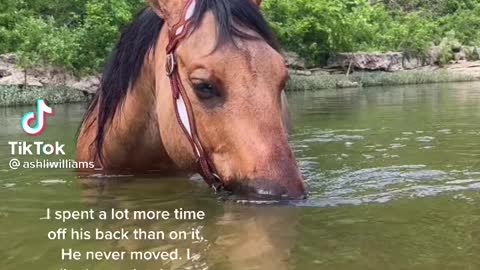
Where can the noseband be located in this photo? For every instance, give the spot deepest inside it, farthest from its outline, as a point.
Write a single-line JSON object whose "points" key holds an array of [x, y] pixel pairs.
{"points": [[181, 102]]}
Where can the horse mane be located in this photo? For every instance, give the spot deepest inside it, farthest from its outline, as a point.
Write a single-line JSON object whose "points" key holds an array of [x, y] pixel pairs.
{"points": [[123, 69]]}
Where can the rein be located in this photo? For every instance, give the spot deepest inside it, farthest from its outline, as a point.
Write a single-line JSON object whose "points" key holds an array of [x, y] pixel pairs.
{"points": [[181, 102]]}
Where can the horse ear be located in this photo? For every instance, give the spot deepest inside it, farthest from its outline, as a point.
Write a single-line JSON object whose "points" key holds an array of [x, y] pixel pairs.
{"points": [[155, 7], [169, 10], [258, 2]]}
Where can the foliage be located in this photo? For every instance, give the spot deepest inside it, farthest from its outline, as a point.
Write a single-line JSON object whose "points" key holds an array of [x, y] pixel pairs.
{"points": [[446, 48], [100, 30], [465, 23], [46, 43], [318, 28], [79, 34], [436, 7]]}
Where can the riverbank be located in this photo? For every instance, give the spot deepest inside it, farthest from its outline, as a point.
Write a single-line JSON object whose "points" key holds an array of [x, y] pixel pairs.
{"points": [[14, 95], [379, 78], [11, 96], [57, 87]]}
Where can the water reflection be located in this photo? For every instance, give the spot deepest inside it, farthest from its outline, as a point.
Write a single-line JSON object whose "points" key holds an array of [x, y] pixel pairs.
{"points": [[236, 236], [393, 176]]}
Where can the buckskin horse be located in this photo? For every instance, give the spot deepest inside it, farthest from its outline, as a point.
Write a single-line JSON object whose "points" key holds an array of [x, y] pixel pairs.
{"points": [[196, 86]]}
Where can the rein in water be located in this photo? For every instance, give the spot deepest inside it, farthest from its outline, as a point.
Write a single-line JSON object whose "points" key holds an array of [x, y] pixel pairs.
{"points": [[181, 102]]}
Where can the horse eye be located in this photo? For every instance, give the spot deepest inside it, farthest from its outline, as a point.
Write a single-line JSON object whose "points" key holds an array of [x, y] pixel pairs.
{"points": [[205, 90]]}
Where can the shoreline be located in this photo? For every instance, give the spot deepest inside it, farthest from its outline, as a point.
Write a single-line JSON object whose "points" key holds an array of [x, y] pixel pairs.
{"points": [[377, 78], [14, 95]]}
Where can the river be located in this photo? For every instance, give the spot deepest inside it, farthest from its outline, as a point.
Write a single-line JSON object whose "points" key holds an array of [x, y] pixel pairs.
{"points": [[393, 175]]}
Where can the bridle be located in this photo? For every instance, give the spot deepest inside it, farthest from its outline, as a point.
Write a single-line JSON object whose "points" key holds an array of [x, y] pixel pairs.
{"points": [[181, 102]]}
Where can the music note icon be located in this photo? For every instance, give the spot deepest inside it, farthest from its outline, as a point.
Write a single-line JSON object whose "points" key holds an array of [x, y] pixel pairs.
{"points": [[39, 116]]}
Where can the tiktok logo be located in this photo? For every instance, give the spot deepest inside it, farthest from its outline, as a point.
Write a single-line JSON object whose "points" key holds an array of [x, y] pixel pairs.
{"points": [[39, 116]]}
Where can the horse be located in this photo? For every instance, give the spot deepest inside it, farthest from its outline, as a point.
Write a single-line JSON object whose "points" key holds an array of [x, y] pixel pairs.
{"points": [[196, 86]]}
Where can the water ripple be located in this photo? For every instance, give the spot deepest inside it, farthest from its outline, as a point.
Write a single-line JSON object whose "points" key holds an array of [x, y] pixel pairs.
{"points": [[384, 184]]}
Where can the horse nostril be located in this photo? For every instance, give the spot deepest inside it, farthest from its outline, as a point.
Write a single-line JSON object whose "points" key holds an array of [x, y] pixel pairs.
{"points": [[265, 189]]}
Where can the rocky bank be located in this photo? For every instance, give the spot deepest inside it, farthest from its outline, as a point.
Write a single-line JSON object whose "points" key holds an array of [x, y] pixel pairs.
{"points": [[462, 63], [12, 75]]}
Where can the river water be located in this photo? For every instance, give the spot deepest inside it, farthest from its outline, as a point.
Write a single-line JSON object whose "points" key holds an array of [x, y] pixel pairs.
{"points": [[393, 175]]}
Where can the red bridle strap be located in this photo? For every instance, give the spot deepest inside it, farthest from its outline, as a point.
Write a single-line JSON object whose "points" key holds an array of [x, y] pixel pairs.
{"points": [[181, 102]]}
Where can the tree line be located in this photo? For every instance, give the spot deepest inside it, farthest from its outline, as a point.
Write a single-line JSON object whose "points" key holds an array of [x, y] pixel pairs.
{"points": [[78, 35]]}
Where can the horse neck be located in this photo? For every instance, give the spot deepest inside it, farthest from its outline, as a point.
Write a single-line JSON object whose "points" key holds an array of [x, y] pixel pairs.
{"points": [[140, 101], [134, 132]]}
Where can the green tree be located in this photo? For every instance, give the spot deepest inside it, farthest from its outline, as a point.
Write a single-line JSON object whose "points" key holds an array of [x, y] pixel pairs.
{"points": [[80, 34], [100, 30]]}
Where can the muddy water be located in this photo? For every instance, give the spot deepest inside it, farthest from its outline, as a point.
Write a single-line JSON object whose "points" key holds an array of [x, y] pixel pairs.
{"points": [[393, 175]]}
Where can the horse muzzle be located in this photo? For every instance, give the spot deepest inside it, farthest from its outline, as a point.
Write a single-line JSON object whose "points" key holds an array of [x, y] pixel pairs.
{"points": [[267, 189]]}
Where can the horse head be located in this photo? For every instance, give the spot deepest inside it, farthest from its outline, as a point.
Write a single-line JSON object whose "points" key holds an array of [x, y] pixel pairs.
{"points": [[233, 76]]}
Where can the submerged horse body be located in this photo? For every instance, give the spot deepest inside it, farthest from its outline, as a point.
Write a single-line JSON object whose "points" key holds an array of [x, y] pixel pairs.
{"points": [[233, 77]]}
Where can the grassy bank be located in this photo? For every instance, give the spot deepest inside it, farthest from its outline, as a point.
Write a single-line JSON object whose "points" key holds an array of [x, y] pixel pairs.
{"points": [[15, 96], [368, 79]]}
